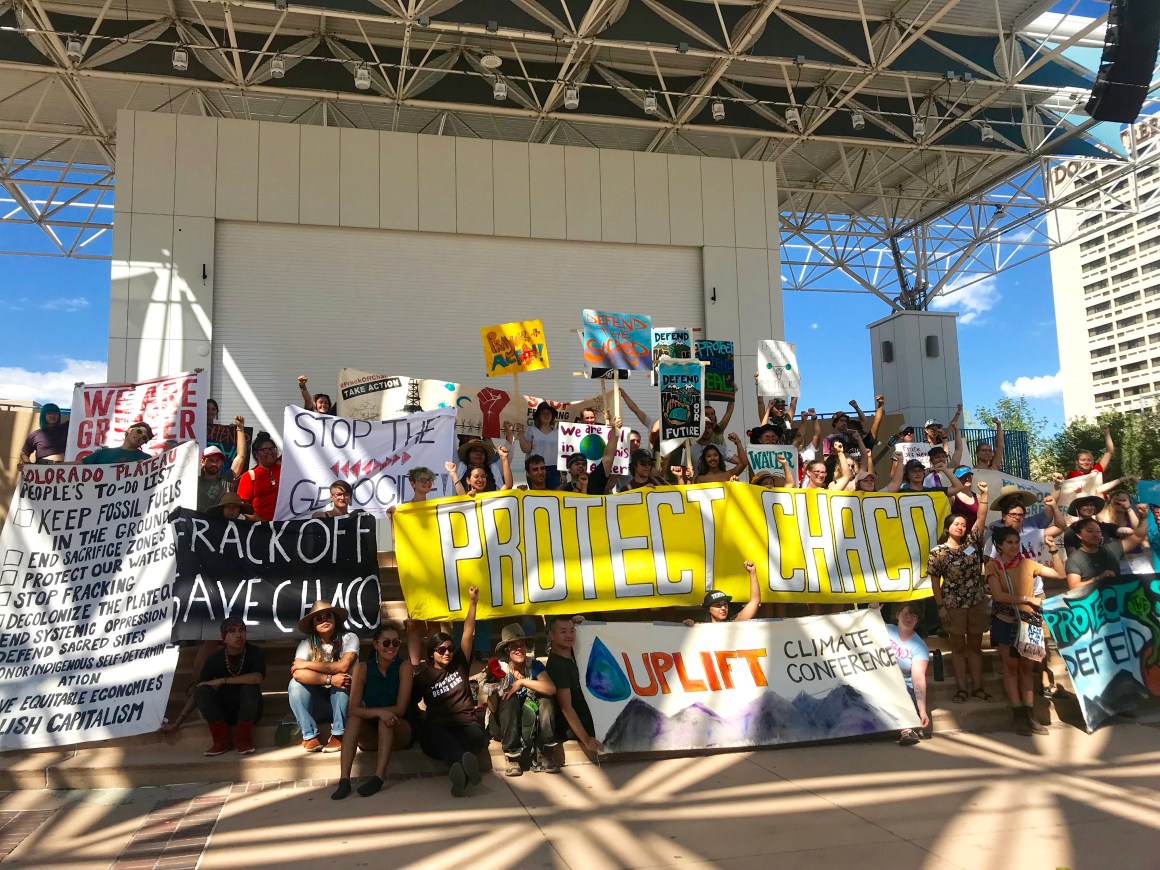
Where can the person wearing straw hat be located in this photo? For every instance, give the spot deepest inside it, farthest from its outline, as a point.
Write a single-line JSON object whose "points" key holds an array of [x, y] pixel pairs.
{"points": [[1012, 505], [523, 711], [321, 673], [1082, 507], [231, 507]]}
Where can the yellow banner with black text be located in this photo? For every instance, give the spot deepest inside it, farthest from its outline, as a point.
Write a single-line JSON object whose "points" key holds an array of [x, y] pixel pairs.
{"points": [[558, 552]]}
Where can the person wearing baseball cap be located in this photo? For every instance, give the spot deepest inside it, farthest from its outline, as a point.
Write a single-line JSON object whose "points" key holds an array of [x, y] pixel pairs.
{"points": [[641, 468], [136, 436], [716, 602], [214, 480], [577, 469], [229, 690]]}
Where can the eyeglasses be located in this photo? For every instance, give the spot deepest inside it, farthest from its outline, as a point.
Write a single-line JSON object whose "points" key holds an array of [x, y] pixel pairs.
{"points": [[270, 449], [392, 642], [323, 617], [1018, 514], [443, 650]]}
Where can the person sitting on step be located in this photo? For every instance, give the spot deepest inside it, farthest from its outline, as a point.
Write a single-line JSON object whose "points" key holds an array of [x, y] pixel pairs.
{"points": [[229, 691], [321, 673], [523, 710]]}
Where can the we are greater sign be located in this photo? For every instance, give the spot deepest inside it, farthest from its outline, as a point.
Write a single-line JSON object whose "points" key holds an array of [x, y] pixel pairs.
{"points": [[557, 552]]}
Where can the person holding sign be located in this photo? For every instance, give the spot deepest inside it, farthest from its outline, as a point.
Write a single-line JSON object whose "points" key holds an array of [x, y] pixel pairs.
{"points": [[229, 693], [379, 695], [49, 442], [543, 438], [341, 493], [321, 673], [476, 480]]}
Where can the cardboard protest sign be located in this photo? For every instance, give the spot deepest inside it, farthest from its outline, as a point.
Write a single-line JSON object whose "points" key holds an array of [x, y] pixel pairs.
{"points": [[1073, 487], [567, 412], [671, 342], [590, 441], [777, 369], [225, 439], [86, 599], [996, 480], [373, 456], [1108, 633], [174, 408], [269, 574], [657, 688], [511, 348], [617, 341], [765, 457], [720, 375], [682, 402], [543, 553]]}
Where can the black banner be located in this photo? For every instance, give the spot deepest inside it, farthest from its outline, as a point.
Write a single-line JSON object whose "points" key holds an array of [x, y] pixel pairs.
{"points": [[269, 574]]}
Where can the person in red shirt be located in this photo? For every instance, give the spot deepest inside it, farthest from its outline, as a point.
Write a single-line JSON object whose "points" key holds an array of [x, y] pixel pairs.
{"points": [[259, 485], [1085, 460]]}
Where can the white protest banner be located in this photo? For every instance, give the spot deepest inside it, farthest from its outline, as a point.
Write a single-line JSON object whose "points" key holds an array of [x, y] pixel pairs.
{"points": [[174, 408], [777, 369], [1084, 484], [996, 480], [663, 687], [373, 456], [766, 457], [589, 441], [86, 599]]}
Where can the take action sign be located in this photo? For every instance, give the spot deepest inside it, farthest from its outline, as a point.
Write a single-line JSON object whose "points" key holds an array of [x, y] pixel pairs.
{"points": [[86, 599]]}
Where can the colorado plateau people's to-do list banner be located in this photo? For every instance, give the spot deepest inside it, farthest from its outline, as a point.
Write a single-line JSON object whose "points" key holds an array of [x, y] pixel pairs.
{"points": [[86, 586], [544, 553]]}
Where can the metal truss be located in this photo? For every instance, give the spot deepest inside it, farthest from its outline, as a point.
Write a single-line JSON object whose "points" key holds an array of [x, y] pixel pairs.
{"points": [[868, 202]]}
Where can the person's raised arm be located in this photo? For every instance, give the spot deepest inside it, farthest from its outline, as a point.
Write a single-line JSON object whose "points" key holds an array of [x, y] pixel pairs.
{"points": [[505, 465], [241, 447], [997, 455], [610, 448], [467, 642], [1139, 534], [816, 439], [842, 467], [414, 642], [750, 609], [789, 414], [644, 418], [1108, 486], [861, 416], [1057, 570], [879, 413], [742, 455], [1109, 449], [1054, 516], [896, 472], [957, 457], [458, 485], [790, 478], [525, 441], [723, 423], [762, 411], [981, 520], [307, 399]]}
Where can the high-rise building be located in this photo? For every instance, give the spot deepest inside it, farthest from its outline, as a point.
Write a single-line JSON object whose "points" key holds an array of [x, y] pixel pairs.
{"points": [[1107, 282]]}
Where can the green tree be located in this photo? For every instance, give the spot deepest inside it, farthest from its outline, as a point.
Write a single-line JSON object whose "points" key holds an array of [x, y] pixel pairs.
{"points": [[1015, 415], [1136, 435]]}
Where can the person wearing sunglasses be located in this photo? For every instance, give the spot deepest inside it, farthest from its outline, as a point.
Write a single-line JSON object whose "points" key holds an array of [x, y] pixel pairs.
{"points": [[136, 436], [450, 730], [321, 674], [379, 695], [259, 485]]}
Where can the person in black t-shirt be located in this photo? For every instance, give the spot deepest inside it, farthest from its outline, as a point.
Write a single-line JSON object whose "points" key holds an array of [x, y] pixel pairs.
{"points": [[450, 730], [229, 692], [1084, 507], [574, 717]]}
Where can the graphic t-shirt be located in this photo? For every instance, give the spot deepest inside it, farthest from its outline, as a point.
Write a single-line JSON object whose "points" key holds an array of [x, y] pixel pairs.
{"points": [[565, 673], [907, 652], [447, 694], [1030, 540], [210, 490]]}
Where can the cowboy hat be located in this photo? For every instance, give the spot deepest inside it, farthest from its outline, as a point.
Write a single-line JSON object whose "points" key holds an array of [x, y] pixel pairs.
{"points": [[1010, 492], [305, 623], [1082, 500], [512, 633], [466, 448], [757, 431], [767, 474], [540, 407], [227, 499]]}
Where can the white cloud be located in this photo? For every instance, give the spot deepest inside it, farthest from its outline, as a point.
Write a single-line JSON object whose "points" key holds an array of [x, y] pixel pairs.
{"points": [[26, 386], [813, 326], [74, 303], [1041, 387], [971, 302]]}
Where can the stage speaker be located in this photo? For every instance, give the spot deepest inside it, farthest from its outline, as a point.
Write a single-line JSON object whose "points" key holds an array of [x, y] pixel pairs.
{"points": [[1128, 60]]}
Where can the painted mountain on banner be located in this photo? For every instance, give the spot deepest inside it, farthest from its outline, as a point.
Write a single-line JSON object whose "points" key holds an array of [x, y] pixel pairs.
{"points": [[767, 721]]}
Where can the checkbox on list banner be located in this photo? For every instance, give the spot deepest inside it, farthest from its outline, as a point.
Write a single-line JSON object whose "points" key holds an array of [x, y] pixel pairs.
{"points": [[13, 558], [23, 518]]}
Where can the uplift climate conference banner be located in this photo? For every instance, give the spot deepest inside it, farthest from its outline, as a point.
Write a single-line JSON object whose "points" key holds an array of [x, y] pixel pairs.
{"points": [[664, 687], [556, 552]]}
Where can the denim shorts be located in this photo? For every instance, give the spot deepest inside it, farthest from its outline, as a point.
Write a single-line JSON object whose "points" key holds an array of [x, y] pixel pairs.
{"points": [[1004, 633]]}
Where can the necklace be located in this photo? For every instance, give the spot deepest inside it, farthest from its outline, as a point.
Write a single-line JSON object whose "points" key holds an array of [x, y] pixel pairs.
{"points": [[241, 664]]}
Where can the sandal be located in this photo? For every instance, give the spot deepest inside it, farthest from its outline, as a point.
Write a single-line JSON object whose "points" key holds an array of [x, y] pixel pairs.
{"points": [[982, 695], [960, 696]]}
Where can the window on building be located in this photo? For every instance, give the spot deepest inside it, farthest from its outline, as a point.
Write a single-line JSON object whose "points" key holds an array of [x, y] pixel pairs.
{"points": [[1131, 344], [1102, 329], [1125, 298], [1129, 368], [1125, 276], [1104, 374], [1096, 309], [1092, 243], [1095, 286], [1123, 254], [1125, 322], [1095, 264], [1149, 268], [1108, 396]]}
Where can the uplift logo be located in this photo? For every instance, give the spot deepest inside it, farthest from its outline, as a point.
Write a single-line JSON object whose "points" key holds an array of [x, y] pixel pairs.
{"points": [[607, 681]]}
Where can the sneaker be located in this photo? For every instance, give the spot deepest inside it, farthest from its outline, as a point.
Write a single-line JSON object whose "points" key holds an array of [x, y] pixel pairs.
{"points": [[312, 745], [218, 748], [909, 737], [1033, 724], [545, 764], [341, 791], [458, 780], [513, 768], [1022, 725], [471, 768], [334, 744]]}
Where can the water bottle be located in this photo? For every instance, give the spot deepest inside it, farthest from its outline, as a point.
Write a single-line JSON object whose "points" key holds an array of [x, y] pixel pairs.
{"points": [[938, 666]]}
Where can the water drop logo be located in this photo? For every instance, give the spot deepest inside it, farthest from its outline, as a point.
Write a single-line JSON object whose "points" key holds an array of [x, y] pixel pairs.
{"points": [[604, 678]]}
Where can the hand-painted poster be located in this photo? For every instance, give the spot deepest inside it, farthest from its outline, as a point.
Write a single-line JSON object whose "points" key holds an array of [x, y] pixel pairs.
{"points": [[373, 456], [269, 574], [1073, 487], [590, 441], [173, 407], [682, 401], [768, 457], [671, 342], [617, 341], [86, 599], [540, 553], [1108, 633], [1148, 491], [662, 687], [720, 376], [511, 348], [777, 369], [225, 438]]}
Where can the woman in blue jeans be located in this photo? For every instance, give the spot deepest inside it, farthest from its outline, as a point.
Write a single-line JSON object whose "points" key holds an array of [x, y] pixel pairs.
{"points": [[321, 674], [450, 729]]}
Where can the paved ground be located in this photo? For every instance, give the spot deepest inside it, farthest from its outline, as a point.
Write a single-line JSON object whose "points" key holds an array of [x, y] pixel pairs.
{"points": [[961, 800]]}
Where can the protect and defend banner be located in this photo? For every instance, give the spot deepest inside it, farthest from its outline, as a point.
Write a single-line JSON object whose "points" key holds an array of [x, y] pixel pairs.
{"points": [[669, 341], [617, 341], [373, 456], [86, 599], [777, 370], [720, 375], [269, 574], [544, 553], [590, 440], [682, 401], [174, 408], [656, 688], [1108, 632], [511, 348]]}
